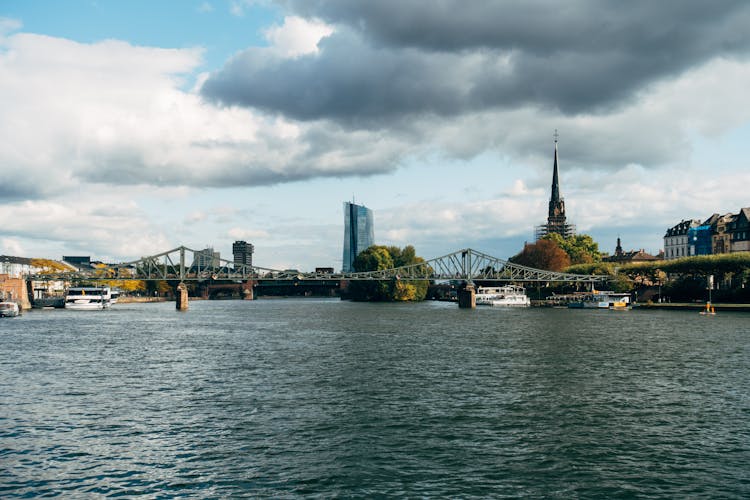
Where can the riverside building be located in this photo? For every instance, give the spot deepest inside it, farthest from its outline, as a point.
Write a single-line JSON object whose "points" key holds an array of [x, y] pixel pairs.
{"points": [[359, 233], [718, 234]]}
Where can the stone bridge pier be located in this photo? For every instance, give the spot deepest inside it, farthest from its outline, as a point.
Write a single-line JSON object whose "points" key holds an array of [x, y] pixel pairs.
{"points": [[467, 297], [182, 297]]}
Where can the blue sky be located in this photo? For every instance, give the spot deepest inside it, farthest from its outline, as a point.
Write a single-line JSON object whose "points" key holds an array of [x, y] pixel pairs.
{"points": [[177, 24], [130, 128]]}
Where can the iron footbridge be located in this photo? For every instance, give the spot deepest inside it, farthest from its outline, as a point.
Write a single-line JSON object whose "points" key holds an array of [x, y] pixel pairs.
{"points": [[184, 264]]}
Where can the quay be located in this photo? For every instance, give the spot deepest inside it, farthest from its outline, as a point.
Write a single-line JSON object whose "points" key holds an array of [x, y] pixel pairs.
{"points": [[691, 306]]}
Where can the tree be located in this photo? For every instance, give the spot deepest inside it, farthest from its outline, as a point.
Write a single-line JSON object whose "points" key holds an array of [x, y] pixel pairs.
{"points": [[544, 254], [378, 258], [47, 266], [581, 248], [126, 285]]}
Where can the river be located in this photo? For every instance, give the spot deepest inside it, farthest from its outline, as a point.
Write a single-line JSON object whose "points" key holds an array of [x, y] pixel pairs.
{"points": [[324, 398]]}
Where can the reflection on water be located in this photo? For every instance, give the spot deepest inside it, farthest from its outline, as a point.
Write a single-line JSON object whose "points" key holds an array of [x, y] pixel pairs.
{"points": [[305, 397]]}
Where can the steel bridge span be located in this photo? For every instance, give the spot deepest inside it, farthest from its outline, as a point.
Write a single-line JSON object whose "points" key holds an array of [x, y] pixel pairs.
{"points": [[184, 264]]}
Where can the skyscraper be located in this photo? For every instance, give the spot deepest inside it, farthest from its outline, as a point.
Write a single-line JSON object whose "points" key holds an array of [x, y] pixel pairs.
{"points": [[556, 221], [358, 233], [243, 252]]}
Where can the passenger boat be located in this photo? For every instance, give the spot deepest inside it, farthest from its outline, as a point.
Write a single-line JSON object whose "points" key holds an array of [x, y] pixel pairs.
{"points": [[502, 296], [599, 299], [85, 297], [8, 309]]}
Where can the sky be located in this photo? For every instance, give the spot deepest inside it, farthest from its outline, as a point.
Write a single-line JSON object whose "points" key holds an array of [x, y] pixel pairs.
{"points": [[131, 128]]}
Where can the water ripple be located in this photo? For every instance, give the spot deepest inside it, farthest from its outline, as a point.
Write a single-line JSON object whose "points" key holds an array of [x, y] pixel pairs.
{"points": [[321, 398]]}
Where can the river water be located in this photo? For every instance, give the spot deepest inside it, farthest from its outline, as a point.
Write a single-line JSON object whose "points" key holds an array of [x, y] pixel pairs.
{"points": [[319, 397]]}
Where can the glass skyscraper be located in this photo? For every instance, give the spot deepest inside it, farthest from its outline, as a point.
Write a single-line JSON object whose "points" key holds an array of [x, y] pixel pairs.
{"points": [[358, 233]]}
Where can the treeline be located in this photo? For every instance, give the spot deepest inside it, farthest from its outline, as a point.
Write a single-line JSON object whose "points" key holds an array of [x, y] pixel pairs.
{"points": [[718, 265], [684, 279]]}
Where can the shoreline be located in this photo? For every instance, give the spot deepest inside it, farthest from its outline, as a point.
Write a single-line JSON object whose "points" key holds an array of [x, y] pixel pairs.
{"points": [[693, 306], [134, 300]]}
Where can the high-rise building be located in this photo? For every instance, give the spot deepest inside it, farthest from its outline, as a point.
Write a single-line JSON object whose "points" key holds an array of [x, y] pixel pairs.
{"points": [[243, 252], [556, 221], [358, 233], [207, 258]]}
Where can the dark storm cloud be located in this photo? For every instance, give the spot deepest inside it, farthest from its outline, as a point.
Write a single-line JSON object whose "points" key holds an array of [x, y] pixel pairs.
{"points": [[393, 58], [536, 26]]}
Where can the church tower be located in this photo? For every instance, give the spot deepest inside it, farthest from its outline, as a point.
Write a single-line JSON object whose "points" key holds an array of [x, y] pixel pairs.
{"points": [[556, 221]]}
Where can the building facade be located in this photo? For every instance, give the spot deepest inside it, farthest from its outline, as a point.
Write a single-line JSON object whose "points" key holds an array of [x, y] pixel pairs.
{"points": [[676, 240], [359, 233], [243, 253], [556, 219], [720, 239], [716, 235], [700, 238], [739, 232]]}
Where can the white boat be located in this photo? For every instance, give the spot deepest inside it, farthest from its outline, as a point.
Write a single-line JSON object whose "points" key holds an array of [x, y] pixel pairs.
{"points": [[8, 309], [502, 296], [599, 299], [88, 297]]}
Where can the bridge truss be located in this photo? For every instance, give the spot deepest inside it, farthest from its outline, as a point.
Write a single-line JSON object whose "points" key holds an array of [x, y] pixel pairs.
{"points": [[184, 264]]}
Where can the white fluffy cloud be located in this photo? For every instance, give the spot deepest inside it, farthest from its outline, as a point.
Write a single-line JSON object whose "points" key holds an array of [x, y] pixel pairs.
{"points": [[297, 36], [92, 225]]}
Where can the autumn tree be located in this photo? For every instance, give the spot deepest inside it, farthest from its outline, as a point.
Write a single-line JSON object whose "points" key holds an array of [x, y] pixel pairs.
{"points": [[544, 254], [126, 285], [47, 266]]}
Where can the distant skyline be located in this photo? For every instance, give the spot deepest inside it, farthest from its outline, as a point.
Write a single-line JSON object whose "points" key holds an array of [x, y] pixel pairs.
{"points": [[130, 128]]}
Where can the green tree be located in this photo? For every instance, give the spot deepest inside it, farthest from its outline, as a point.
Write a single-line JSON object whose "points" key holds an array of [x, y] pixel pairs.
{"points": [[378, 258], [581, 248]]}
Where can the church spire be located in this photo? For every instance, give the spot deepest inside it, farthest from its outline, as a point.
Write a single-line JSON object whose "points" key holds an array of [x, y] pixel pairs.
{"points": [[556, 221], [556, 203], [555, 198]]}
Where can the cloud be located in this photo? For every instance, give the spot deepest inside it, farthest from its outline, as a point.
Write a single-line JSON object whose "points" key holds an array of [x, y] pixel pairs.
{"points": [[11, 246], [95, 225], [297, 36], [118, 114], [239, 233], [394, 59], [205, 8], [8, 25]]}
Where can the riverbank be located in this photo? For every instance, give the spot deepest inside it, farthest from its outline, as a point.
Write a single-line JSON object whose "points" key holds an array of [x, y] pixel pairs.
{"points": [[693, 306], [132, 300]]}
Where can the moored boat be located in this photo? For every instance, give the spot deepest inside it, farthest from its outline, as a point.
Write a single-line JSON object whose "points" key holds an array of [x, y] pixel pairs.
{"points": [[599, 299], [502, 296], [8, 309], [88, 298]]}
